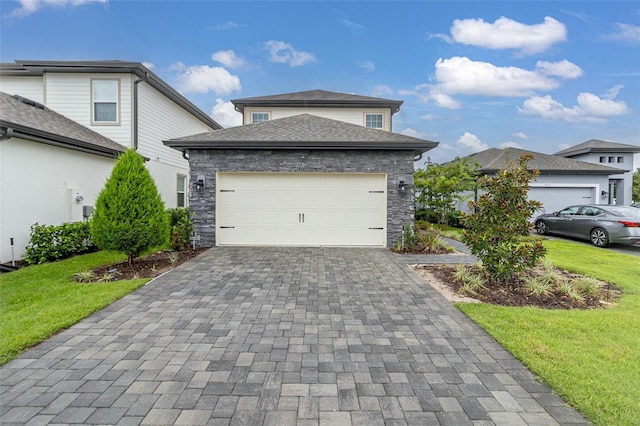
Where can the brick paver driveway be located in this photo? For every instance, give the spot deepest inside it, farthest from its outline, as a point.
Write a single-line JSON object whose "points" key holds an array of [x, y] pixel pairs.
{"points": [[278, 336]]}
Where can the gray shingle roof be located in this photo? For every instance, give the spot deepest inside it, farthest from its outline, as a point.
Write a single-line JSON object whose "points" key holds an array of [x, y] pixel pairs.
{"points": [[40, 124], [595, 145], [317, 98], [304, 131], [35, 68], [494, 159]]}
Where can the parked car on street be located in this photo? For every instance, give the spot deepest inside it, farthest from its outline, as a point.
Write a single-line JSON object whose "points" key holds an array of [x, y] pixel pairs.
{"points": [[636, 205], [600, 224]]}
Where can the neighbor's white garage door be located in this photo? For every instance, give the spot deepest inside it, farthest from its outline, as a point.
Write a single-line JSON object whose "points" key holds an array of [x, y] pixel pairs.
{"points": [[557, 198], [301, 209]]}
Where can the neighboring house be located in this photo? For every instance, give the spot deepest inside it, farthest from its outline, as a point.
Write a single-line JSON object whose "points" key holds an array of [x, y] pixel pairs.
{"points": [[613, 154], [562, 181], [304, 171], [123, 101], [50, 169]]}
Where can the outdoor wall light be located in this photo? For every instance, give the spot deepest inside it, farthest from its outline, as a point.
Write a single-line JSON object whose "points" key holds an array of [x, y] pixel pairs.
{"points": [[402, 186], [200, 183], [604, 193]]}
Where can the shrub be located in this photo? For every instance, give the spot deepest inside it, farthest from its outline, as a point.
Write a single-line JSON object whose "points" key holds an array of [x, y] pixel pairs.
{"points": [[51, 242], [497, 230], [129, 215], [181, 228]]}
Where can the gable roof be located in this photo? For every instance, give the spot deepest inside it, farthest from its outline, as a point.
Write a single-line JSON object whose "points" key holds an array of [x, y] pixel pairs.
{"points": [[26, 119], [317, 98], [595, 145], [494, 159], [38, 68], [304, 131]]}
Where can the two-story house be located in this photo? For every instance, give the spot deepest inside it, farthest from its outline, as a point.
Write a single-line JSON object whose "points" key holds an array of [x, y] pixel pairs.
{"points": [[313, 168], [123, 102], [618, 190]]}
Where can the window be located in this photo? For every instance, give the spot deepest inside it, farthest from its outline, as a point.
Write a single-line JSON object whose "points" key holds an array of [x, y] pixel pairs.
{"points": [[181, 185], [373, 121], [105, 101], [259, 117], [612, 159], [603, 159], [620, 159]]}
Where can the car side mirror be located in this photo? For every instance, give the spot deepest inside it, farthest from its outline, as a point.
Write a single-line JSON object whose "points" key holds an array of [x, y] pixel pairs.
{"points": [[556, 213]]}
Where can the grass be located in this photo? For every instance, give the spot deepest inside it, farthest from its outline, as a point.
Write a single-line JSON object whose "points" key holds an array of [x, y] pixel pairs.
{"points": [[589, 357], [40, 300]]}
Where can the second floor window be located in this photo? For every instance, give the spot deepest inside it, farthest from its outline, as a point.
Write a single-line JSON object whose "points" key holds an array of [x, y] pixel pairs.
{"points": [[105, 101], [373, 121], [259, 117]]}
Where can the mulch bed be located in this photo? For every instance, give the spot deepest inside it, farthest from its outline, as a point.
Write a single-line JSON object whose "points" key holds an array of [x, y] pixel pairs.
{"points": [[149, 266], [514, 293]]}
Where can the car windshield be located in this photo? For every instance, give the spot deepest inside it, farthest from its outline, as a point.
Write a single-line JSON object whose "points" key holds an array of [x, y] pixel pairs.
{"points": [[625, 211]]}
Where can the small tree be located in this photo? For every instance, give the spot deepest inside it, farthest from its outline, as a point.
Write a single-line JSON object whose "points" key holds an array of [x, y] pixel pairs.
{"points": [[439, 186], [129, 214], [499, 221]]}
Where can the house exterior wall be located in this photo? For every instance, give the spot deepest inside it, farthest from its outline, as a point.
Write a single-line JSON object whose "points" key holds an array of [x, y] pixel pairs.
{"points": [[624, 181], [350, 115], [398, 165], [43, 189], [28, 87]]}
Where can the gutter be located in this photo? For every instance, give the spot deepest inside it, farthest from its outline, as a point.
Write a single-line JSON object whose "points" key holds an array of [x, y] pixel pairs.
{"points": [[135, 109], [8, 134]]}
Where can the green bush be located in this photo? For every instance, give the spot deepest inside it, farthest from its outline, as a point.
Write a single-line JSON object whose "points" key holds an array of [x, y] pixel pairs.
{"points": [[129, 215], [181, 228], [53, 242]]}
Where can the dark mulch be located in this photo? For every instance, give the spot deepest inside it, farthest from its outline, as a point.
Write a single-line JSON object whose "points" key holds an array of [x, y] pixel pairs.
{"points": [[147, 267], [515, 294]]}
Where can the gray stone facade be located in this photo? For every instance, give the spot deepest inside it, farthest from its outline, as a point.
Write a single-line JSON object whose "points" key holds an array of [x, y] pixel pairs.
{"points": [[398, 165]]}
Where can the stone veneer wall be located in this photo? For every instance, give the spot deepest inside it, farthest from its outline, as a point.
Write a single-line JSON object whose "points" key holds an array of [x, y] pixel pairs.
{"points": [[398, 165]]}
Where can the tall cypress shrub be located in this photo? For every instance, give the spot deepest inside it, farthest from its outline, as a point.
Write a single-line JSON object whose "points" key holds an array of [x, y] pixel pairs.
{"points": [[129, 214]]}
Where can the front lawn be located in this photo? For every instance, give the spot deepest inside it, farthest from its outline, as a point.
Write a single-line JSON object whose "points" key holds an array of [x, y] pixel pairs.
{"points": [[38, 301], [589, 357]]}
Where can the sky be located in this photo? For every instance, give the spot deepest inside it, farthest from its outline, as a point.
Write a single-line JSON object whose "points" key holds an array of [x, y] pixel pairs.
{"points": [[537, 75]]}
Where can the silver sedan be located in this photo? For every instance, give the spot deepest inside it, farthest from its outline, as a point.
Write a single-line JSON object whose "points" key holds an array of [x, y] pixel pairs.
{"points": [[601, 224]]}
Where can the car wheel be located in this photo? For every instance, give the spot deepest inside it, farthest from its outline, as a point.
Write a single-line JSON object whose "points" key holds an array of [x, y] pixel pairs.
{"points": [[541, 227], [599, 237]]}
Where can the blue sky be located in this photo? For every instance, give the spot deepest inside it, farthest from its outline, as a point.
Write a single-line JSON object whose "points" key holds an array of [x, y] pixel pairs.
{"points": [[538, 75]]}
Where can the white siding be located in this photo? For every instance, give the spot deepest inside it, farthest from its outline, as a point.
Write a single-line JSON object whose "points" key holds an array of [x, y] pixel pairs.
{"points": [[70, 95], [346, 114], [160, 119], [35, 180], [28, 87]]}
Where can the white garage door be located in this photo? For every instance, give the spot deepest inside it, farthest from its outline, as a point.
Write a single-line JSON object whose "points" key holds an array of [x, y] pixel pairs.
{"points": [[557, 198], [301, 209]]}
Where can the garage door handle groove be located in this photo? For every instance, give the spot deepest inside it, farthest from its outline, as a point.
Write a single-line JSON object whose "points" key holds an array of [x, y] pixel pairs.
{"points": [[227, 227], [227, 190], [376, 228], [376, 192]]}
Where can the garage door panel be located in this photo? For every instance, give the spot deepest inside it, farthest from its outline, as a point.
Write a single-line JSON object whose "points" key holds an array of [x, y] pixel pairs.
{"points": [[302, 209], [554, 198]]}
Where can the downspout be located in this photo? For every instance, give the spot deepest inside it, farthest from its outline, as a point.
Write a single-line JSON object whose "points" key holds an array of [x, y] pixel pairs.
{"points": [[418, 157], [8, 134], [184, 155], [135, 109]]}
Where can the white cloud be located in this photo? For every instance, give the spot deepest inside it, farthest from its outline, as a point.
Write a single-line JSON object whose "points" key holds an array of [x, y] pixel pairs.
{"points": [[149, 65], [412, 132], [520, 135], [366, 65], [589, 108], [282, 52], [626, 32], [510, 144], [506, 33], [353, 26], [204, 79], [612, 93], [428, 117], [229, 59], [225, 114], [27, 7], [472, 142], [381, 90], [461, 75], [229, 25], [444, 37], [563, 69], [441, 99]]}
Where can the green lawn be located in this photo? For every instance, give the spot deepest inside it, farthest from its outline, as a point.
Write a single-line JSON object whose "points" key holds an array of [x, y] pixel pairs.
{"points": [[38, 301], [591, 358]]}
